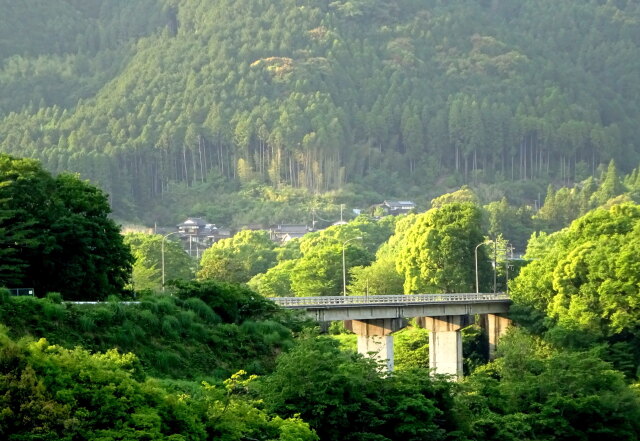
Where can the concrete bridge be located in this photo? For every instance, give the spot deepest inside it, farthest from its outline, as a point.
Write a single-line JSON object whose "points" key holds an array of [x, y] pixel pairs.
{"points": [[375, 318]]}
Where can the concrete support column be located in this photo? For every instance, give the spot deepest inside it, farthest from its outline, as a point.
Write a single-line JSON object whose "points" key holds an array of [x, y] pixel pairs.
{"points": [[445, 343], [495, 325], [375, 339]]}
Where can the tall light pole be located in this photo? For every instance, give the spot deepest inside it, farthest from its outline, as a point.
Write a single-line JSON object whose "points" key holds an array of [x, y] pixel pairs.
{"points": [[344, 266], [162, 254], [508, 256], [476, 256]]}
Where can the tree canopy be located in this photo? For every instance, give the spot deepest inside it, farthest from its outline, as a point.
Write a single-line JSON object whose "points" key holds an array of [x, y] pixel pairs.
{"points": [[439, 250], [147, 250], [239, 258], [57, 234]]}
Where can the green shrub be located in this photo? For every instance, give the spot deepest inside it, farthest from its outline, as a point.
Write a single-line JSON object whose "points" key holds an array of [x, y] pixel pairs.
{"points": [[165, 306], [186, 319], [53, 311], [170, 327], [5, 295], [54, 297], [86, 323], [149, 320], [103, 314], [203, 310]]}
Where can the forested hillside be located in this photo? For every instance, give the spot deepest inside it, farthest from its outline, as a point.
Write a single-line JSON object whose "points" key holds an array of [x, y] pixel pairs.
{"points": [[398, 98]]}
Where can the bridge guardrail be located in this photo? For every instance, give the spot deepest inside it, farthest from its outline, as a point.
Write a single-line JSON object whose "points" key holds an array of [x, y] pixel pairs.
{"points": [[387, 299]]}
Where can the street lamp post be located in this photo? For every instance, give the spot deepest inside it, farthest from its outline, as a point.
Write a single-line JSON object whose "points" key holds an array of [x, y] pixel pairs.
{"points": [[344, 266], [476, 256], [162, 254]]}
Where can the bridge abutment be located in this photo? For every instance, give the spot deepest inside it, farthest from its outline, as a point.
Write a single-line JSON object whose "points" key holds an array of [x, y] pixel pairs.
{"points": [[375, 339]]}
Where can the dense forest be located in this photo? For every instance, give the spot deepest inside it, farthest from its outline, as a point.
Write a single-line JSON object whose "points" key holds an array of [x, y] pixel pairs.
{"points": [[212, 360], [182, 107], [511, 124], [207, 356]]}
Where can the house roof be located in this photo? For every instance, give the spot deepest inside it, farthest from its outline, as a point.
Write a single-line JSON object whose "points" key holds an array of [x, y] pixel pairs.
{"points": [[399, 204], [290, 228], [193, 222]]}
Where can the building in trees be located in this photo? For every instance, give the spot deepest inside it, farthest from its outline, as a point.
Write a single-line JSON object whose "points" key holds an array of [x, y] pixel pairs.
{"points": [[398, 207], [197, 235], [286, 232]]}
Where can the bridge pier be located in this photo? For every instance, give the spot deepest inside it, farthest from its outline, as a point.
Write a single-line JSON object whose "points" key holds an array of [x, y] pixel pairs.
{"points": [[375, 318], [445, 343], [375, 339], [495, 326]]}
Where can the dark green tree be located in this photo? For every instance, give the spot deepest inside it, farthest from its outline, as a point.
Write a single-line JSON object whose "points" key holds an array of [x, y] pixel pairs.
{"points": [[60, 234], [345, 397], [537, 392]]}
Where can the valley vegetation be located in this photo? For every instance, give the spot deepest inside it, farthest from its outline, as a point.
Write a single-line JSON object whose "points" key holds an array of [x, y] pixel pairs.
{"points": [[211, 359], [177, 108], [513, 122]]}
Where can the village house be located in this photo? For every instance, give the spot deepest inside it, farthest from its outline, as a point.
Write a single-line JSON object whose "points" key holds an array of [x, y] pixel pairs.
{"points": [[396, 207], [197, 235], [285, 232]]}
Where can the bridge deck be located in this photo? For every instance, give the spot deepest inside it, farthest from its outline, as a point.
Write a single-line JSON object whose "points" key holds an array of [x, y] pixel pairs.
{"points": [[332, 308], [389, 300]]}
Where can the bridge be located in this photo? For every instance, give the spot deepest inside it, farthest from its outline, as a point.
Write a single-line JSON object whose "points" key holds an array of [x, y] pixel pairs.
{"points": [[375, 318]]}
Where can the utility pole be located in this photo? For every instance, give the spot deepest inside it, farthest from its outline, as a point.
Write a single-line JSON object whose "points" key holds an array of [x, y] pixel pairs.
{"points": [[495, 265]]}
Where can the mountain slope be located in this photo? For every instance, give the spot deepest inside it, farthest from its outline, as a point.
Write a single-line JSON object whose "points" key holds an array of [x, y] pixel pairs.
{"points": [[387, 96]]}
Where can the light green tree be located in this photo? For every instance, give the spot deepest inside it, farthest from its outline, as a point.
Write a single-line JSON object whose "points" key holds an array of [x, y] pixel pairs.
{"points": [[239, 258], [276, 282], [465, 194], [438, 253], [586, 277], [147, 268], [610, 186]]}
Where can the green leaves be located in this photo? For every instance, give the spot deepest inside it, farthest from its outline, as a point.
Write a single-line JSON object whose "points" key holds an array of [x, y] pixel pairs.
{"points": [[536, 392], [238, 259], [51, 393], [438, 255], [147, 268], [329, 96], [586, 277], [59, 234], [345, 397]]}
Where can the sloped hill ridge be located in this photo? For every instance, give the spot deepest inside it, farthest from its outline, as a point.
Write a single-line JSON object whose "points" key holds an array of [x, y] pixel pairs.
{"points": [[322, 94]]}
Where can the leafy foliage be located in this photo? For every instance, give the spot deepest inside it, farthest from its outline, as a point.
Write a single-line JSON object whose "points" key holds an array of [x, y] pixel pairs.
{"points": [[584, 280], [147, 267], [344, 397], [588, 272], [438, 255], [58, 235], [535, 392], [315, 267], [206, 329], [239, 258], [49, 392]]}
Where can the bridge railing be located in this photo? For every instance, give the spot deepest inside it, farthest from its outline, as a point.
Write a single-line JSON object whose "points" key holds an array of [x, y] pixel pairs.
{"points": [[387, 299]]}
